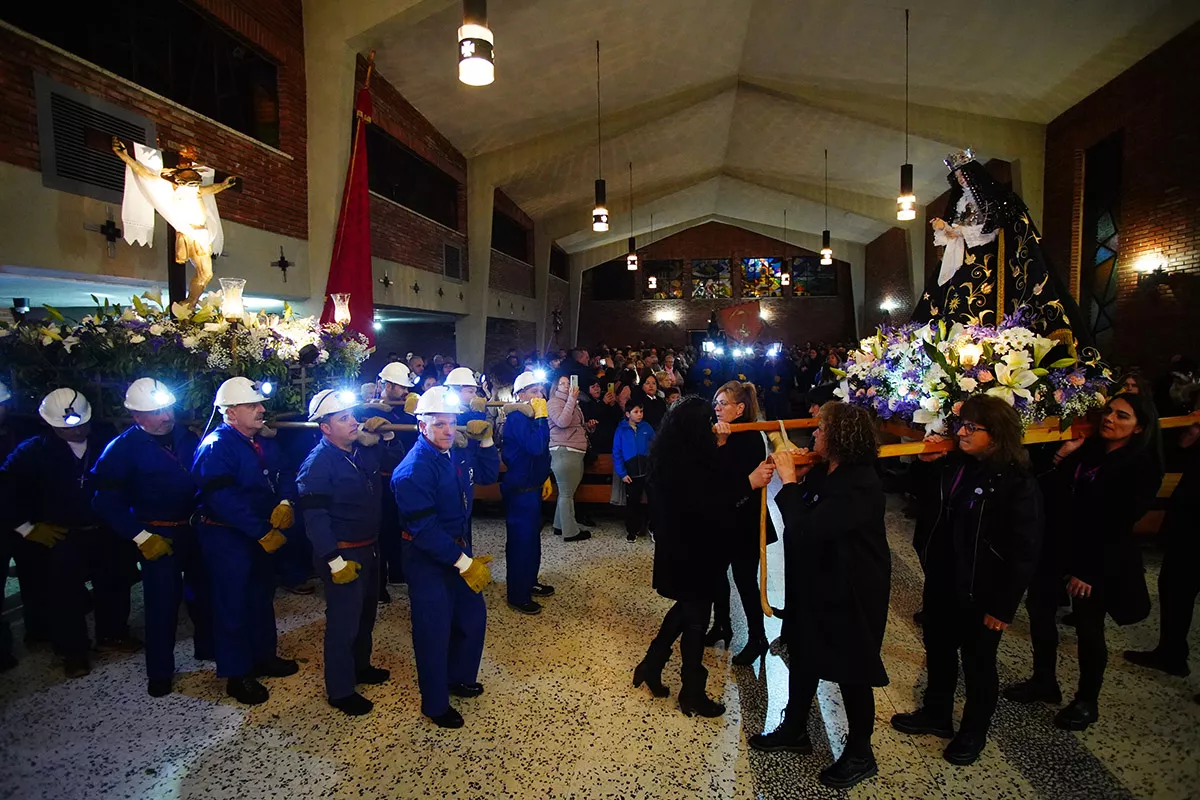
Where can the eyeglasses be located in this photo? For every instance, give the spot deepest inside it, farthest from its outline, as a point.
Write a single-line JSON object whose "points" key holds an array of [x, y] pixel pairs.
{"points": [[970, 427]]}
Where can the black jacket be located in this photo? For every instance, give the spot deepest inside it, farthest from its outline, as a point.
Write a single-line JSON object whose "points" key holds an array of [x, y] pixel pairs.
{"points": [[838, 573], [979, 534], [607, 418], [740, 456], [1093, 501]]}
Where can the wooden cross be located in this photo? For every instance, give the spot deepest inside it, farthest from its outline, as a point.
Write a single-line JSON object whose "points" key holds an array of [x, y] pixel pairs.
{"points": [[282, 263], [109, 230]]}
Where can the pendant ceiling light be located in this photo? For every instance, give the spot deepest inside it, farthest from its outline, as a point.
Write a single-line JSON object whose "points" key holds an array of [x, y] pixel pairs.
{"points": [[652, 280], [600, 212], [476, 60], [631, 260], [785, 277], [906, 203], [826, 250]]}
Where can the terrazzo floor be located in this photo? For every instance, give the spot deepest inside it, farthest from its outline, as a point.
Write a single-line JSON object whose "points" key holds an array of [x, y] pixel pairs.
{"points": [[559, 718]]}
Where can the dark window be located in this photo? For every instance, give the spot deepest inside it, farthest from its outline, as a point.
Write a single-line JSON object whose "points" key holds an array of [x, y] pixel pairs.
{"points": [[170, 48], [510, 237], [1102, 237], [668, 280], [404, 177], [560, 263], [612, 281], [812, 279]]}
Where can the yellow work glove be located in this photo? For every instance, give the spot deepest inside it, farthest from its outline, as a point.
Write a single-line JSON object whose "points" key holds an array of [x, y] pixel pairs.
{"points": [[479, 429], [547, 489], [282, 517], [46, 534], [156, 547], [273, 540], [539, 408], [518, 408], [478, 575], [373, 424], [410, 403], [347, 573], [478, 403]]}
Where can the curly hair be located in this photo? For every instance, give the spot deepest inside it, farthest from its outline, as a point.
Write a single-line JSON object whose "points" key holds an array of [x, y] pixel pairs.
{"points": [[741, 393], [1003, 426], [849, 434]]}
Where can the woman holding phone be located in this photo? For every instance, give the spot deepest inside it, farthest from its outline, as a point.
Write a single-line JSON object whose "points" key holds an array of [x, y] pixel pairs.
{"points": [[568, 446]]}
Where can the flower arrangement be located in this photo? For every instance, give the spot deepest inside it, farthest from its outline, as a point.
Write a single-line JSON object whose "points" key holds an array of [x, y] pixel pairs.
{"points": [[922, 372], [192, 351]]}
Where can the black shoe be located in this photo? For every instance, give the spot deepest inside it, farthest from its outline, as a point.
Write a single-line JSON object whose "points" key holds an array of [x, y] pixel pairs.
{"points": [[119, 644], [449, 719], [848, 771], [302, 589], [700, 705], [790, 737], [372, 676], [755, 649], [385, 596], [718, 633], [964, 749], [641, 674], [76, 667], [1034, 690], [919, 617], [246, 690], [542, 590], [1077, 716], [558, 531], [921, 722], [579, 537], [276, 667], [532, 608], [1070, 619], [353, 704], [631, 537], [466, 689], [159, 687], [1154, 659]]}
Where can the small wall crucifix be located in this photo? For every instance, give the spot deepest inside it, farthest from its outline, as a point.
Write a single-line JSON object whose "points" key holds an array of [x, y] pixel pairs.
{"points": [[108, 230], [282, 263]]}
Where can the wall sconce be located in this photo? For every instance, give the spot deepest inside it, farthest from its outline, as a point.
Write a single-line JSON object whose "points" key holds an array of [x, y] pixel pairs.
{"points": [[341, 307], [665, 315], [764, 314], [889, 305], [232, 306], [1152, 270]]}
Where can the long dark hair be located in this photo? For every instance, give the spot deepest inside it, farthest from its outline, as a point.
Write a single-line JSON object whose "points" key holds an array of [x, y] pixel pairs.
{"points": [[1003, 427], [849, 434], [684, 448], [1150, 439]]}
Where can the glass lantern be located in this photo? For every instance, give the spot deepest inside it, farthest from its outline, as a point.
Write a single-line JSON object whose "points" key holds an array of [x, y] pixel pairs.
{"points": [[341, 307], [232, 306]]}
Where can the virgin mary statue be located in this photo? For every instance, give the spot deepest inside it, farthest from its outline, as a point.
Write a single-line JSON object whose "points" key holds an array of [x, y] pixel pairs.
{"points": [[992, 261]]}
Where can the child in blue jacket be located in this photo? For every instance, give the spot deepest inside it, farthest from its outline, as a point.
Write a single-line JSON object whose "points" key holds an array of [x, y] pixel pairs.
{"points": [[631, 462]]}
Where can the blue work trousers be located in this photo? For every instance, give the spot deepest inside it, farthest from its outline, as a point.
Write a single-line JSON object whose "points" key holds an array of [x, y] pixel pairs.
{"points": [[523, 546], [349, 621], [166, 582], [243, 599]]}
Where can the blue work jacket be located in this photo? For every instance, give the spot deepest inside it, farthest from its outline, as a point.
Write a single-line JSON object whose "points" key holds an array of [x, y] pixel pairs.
{"points": [[526, 453], [137, 480], [239, 487], [43, 481], [339, 496]]}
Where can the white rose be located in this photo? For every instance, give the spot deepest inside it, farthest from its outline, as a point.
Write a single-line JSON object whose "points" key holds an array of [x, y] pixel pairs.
{"points": [[156, 329], [190, 342], [137, 338], [967, 384]]}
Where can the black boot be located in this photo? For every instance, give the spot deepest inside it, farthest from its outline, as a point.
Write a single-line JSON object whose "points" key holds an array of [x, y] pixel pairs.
{"points": [[372, 676], [1155, 659], [466, 689], [645, 673], [1078, 715], [719, 632], [924, 721], [276, 667], [790, 737], [754, 650], [159, 687], [353, 704], [849, 770], [692, 697], [1035, 690], [964, 749], [449, 719], [246, 690]]}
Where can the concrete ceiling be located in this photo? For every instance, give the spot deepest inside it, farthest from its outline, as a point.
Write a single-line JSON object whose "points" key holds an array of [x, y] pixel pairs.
{"points": [[725, 108]]}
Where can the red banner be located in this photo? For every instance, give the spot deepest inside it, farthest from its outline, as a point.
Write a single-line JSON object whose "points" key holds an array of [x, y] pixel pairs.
{"points": [[350, 268], [742, 322]]}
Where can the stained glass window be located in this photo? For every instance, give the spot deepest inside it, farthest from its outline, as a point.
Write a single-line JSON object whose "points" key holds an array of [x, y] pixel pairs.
{"points": [[761, 277], [668, 280], [810, 278], [710, 279], [1102, 238]]}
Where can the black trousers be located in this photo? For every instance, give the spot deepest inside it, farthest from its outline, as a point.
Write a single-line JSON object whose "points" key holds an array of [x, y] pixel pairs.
{"points": [[1042, 603], [950, 629], [745, 578], [859, 700], [685, 621], [97, 555], [635, 510], [1178, 588]]}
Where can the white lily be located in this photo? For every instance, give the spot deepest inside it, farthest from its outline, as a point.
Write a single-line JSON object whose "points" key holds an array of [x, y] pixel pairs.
{"points": [[930, 411], [1018, 360], [70, 342], [1041, 348], [1012, 383], [136, 338]]}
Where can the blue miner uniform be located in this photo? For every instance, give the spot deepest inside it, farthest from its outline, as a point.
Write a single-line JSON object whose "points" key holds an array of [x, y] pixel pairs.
{"points": [[339, 497], [527, 456], [239, 488], [433, 492], [706, 376], [144, 483], [776, 380], [390, 453]]}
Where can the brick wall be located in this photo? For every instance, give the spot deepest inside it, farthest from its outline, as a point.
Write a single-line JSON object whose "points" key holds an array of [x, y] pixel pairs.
{"points": [[406, 237], [1154, 105], [510, 275], [886, 277], [426, 339], [274, 194], [503, 334], [790, 318]]}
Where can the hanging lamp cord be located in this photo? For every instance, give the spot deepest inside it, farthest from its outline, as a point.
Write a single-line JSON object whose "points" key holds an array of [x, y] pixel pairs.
{"points": [[599, 157]]}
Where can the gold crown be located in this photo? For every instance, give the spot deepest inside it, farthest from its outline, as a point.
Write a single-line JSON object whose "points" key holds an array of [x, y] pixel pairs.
{"points": [[956, 160]]}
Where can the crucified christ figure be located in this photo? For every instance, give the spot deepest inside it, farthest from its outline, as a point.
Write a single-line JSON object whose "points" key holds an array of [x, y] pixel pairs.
{"points": [[192, 239]]}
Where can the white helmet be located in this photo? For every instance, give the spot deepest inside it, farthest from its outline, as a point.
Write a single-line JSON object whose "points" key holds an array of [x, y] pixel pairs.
{"points": [[527, 379], [65, 408], [397, 373], [240, 392], [439, 400], [147, 394], [5, 394], [330, 401], [461, 376]]}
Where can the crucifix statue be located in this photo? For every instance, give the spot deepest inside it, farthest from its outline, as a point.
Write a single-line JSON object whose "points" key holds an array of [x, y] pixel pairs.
{"points": [[180, 196]]}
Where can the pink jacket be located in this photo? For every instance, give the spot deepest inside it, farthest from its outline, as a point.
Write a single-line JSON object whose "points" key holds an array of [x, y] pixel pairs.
{"points": [[566, 422]]}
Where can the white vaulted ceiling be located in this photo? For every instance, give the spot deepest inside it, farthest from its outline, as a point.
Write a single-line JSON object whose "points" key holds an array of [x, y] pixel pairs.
{"points": [[725, 107]]}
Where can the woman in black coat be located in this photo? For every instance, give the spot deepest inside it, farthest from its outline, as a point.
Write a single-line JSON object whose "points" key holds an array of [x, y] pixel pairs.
{"points": [[837, 583], [690, 496], [739, 453], [978, 540], [1098, 488]]}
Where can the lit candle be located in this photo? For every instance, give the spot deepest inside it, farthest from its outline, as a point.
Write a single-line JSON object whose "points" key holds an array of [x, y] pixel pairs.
{"points": [[969, 355], [232, 307], [341, 307]]}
